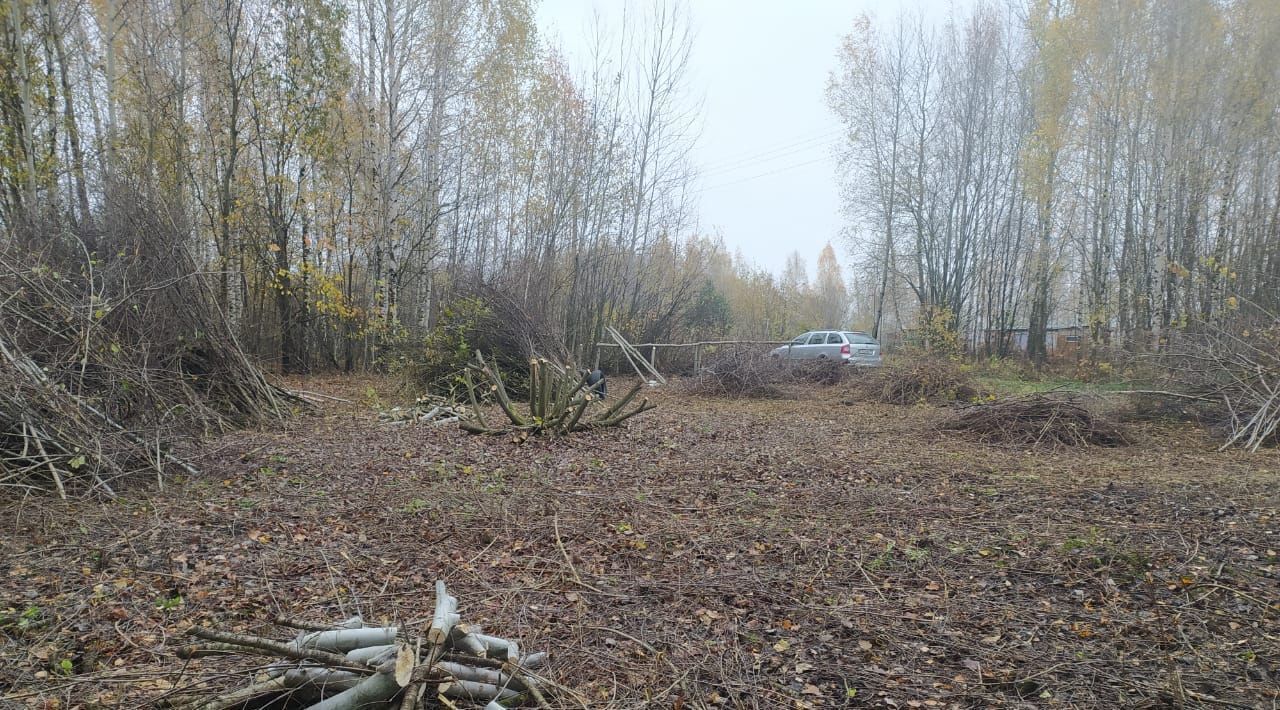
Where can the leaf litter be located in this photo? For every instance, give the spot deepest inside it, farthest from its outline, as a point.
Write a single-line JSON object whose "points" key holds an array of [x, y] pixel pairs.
{"points": [[782, 553]]}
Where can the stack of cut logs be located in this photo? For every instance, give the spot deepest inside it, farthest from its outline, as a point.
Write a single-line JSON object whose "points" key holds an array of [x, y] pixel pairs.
{"points": [[429, 409], [350, 665]]}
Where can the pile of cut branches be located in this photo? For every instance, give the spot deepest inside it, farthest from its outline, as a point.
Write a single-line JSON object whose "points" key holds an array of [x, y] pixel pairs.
{"points": [[922, 380], [822, 372], [741, 373], [109, 353], [1049, 420], [1234, 368], [558, 401], [756, 375], [350, 666]]}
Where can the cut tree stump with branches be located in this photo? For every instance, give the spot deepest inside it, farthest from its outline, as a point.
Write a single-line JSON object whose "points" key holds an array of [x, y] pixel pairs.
{"points": [[559, 401]]}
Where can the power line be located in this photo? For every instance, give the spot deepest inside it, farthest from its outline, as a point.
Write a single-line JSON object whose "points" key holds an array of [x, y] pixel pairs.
{"points": [[761, 175], [784, 147], [716, 165], [783, 155]]}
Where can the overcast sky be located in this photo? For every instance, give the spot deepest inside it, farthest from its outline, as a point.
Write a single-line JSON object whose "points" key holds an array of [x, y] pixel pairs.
{"points": [[767, 144]]}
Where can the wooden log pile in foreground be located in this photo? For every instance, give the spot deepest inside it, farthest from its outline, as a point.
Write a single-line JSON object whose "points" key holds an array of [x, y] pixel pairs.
{"points": [[349, 665]]}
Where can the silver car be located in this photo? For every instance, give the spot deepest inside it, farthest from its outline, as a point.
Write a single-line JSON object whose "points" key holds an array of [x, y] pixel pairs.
{"points": [[848, 346]]}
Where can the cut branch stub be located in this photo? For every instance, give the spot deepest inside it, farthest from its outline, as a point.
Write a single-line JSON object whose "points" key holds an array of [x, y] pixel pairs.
{"points": [[445, 617]]}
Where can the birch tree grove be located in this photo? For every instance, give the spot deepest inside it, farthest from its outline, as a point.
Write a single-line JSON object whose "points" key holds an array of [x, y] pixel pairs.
{"points": [[1103, 164], [345, 169]]}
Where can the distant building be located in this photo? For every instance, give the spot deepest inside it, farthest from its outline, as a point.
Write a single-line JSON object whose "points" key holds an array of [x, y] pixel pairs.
{"points": [[1063, 341]]}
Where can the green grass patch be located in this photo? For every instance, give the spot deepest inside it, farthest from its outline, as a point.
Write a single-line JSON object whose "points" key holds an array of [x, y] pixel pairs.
{"points": [[1013, 385]]}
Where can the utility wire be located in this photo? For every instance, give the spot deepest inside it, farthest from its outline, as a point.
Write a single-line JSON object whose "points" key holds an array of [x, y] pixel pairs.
{"points": [[761, 175], [788, 155], [716, 165]]}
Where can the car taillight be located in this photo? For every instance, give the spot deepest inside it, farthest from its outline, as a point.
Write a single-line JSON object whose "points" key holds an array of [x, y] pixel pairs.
{"points": [[844, 349]]}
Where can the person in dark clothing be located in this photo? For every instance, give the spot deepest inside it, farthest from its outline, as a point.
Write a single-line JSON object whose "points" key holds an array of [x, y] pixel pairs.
{"points": [[596, 383]]}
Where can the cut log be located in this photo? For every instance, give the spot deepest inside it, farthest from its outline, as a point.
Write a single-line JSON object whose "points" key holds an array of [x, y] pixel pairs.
{"points": [[498, 648], [371, 655], [321, 678], [466, 642], [377, 688], [254, 644], [445, 617], [343, 640], [460, 671], [534, 661], [470, 690]]}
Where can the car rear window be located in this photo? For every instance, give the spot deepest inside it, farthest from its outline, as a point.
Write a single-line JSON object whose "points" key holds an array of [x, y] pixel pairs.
{"points": [[860, 339]]}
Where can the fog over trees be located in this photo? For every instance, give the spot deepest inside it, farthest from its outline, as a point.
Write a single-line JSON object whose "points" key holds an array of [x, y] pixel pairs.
{"points": [[1107, 164], [345, 170]]}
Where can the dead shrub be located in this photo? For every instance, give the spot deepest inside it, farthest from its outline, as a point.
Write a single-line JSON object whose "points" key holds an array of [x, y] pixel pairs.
{"points": [[1231, 370], [748, 374], [1048, 420], [757, 375], [819, 372], [918, 381], [1142, 407], [113, 348]]}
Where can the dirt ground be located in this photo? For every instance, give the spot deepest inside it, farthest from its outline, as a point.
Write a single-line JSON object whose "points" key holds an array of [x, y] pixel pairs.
{"points": [[815, 551]]}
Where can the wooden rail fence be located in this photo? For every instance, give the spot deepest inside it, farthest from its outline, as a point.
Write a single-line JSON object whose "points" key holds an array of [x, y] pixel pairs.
{"points": [[697, 348]]}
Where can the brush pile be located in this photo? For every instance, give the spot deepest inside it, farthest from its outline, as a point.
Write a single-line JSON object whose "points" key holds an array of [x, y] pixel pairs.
{"points": [[756, 375], [350, 666], [428, 409], [109, 354], [923, 380], [741, 373], [1234, 369], [1037, 420], [827, 373]]}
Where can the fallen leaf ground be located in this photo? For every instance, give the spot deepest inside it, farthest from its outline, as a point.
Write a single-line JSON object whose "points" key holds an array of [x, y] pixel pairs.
{"points": [[807, 552]]}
